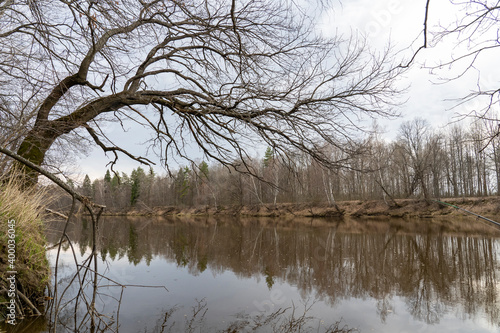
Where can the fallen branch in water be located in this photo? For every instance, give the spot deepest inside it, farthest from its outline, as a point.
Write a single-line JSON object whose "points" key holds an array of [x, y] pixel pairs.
{"points": [[469, 212], [25, 300], [56, 213], [28, 303]]}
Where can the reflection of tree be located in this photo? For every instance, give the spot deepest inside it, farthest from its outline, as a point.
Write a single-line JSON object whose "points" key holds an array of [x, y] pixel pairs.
{"points": [[180, 245], [269, 278], [384, 308], [431, 272], [86, 237], [202, 264], [451, 270], [133, 258]]}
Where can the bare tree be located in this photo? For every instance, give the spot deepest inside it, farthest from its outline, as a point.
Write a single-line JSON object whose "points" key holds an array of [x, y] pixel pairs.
{"points": [[475, 35], [493, 152], [414, 136], [216, 74]]}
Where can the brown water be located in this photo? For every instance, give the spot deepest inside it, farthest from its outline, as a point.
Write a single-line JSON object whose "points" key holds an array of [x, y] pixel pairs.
{"points": [[385, 276]]}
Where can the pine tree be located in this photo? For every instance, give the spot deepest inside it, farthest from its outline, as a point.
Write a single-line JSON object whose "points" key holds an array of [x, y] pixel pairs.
{"points": [[136, 177], [115, 181], [268, 157], [203, 170], [107, 177], [87, 187], [125, 179], [182, 184]]}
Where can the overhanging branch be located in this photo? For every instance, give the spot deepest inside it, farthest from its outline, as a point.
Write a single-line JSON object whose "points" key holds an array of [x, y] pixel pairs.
{"points": [[83, 199], [424, 45], [115, 149]]}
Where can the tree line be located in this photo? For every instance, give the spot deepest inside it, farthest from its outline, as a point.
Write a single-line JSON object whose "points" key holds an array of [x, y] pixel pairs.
{"points": [[420, 163], [216, 76], [212, 75]]}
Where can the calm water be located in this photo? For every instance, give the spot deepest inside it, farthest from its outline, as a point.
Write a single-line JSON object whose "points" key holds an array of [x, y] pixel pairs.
{"points": [[385, 276]]}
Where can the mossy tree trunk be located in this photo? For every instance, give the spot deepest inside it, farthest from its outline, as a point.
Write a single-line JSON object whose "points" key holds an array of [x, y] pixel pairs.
{"points": [[33, 148]]}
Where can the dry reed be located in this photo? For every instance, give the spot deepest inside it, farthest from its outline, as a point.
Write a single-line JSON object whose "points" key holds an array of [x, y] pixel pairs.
{"points": [[25, 207]]}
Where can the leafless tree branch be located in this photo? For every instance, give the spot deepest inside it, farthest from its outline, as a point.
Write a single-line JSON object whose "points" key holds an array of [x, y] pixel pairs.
{"points": [[216, 76]]}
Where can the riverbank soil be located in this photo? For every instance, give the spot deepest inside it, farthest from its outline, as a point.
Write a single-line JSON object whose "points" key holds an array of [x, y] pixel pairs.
{"points": [[484, 206]]}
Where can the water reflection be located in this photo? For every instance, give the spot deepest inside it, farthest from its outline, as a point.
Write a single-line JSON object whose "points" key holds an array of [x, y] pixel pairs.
{"points": [[433, 273]]}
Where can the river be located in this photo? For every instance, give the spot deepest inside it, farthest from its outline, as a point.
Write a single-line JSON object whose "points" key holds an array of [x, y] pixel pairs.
{"points": [[215, 275]]}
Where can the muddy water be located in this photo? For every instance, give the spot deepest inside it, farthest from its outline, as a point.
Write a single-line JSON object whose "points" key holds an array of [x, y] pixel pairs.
{"points": [[377, 276]]}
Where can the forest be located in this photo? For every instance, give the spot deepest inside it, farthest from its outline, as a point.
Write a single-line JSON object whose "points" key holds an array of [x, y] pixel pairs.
{"points": [[422, 162], [229, 79]]}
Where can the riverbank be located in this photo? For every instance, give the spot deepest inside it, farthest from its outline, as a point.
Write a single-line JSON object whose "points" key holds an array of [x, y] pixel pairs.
{"points": [[24, 268], [485, 206]]}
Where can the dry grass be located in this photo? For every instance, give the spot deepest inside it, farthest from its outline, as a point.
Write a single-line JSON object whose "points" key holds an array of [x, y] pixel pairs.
{"points": [[25, 207]]}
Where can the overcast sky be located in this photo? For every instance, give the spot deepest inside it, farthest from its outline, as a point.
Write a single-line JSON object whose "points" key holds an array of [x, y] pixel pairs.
{"points": [[397, 22]]}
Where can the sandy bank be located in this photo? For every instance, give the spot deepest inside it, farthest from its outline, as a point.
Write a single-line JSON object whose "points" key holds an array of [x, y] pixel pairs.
{"points": [[485, 206]]}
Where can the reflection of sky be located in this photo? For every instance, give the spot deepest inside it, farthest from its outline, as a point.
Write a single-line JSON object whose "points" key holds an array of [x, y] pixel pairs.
{"points": [[364, 313], [227, 295]]}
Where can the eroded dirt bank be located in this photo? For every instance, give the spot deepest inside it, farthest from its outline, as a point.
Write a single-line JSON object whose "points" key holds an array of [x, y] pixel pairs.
{"points": [[485, 206]]}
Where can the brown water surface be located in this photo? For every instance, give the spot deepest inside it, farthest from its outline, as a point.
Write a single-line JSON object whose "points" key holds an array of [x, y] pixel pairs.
{"points": [[375, 276]]}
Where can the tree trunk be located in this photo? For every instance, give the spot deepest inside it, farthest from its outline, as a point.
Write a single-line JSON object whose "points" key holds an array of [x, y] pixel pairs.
{"points": [[33, 148]]}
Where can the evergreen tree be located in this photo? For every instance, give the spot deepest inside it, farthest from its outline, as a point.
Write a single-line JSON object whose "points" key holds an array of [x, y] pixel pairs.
{"points": [[136, 177], [107, 177], [87, 187], [182, 184], [125, 179], [268, 157], [203, 170], [115, 181]]}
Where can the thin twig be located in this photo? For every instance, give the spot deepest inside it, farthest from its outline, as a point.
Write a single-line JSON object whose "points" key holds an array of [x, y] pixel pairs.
{"points": [[424, 45]]}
